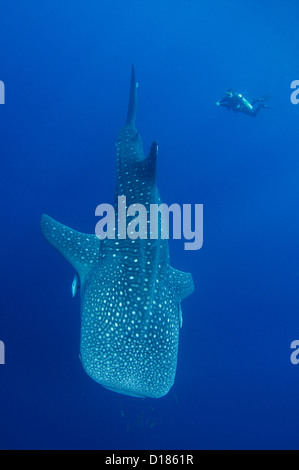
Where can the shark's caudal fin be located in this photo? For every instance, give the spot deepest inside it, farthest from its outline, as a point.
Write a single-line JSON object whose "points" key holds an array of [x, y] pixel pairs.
{"points": [[80, 249], [181, 283], [132, 100]]}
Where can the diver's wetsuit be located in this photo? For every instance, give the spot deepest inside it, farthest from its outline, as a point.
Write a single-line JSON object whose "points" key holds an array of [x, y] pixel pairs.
{"points": [[239, 104]]}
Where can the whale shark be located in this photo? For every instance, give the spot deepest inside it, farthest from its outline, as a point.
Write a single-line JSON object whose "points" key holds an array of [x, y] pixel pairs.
{"points": [[130, 295]]}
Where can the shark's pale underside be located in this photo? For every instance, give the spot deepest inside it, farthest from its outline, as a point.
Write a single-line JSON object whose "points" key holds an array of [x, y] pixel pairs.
{"points": [[130, 295]]}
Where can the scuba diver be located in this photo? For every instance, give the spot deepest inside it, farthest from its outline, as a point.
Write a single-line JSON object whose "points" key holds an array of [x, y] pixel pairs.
{"points": [[239, 104]]}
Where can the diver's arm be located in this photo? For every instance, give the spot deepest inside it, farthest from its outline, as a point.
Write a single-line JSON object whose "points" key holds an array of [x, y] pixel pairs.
{"points": [[223, 102]]}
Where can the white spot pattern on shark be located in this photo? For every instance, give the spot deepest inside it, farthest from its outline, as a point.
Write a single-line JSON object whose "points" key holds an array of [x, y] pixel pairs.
{"points": [[130, 295]]}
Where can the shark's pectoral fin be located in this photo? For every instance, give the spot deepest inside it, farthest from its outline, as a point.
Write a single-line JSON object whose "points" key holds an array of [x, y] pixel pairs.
{"points": [[80, 249], [181, 283]]}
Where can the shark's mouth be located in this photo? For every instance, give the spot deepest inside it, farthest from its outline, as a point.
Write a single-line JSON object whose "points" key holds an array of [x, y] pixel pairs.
{"points": [[124, 392]]}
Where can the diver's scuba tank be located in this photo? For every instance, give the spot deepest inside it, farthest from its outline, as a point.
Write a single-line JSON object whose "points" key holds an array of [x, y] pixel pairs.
{"points": [[245, 102]]}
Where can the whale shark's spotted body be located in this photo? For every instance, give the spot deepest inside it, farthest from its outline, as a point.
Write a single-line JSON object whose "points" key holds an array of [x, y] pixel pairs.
{"points": [[130, 313]]}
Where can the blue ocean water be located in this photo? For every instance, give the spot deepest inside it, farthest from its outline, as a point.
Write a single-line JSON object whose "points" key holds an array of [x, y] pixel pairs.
{"points": [[66, 68]]}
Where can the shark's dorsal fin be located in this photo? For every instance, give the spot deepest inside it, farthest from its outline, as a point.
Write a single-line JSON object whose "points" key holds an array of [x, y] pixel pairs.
{"points": [[147, 168], [80, 249], [180, 283], [151, 162]]}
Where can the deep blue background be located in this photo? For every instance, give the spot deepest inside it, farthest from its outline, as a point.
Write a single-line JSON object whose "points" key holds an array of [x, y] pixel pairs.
{"points": [[66, 67]]}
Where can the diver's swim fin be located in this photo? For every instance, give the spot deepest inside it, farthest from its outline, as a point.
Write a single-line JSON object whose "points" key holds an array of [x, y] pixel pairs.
{"points": [[264, 98]]}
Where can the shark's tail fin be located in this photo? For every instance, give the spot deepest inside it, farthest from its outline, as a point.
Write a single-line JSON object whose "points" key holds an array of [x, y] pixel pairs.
{"points": [[133, 100]]}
